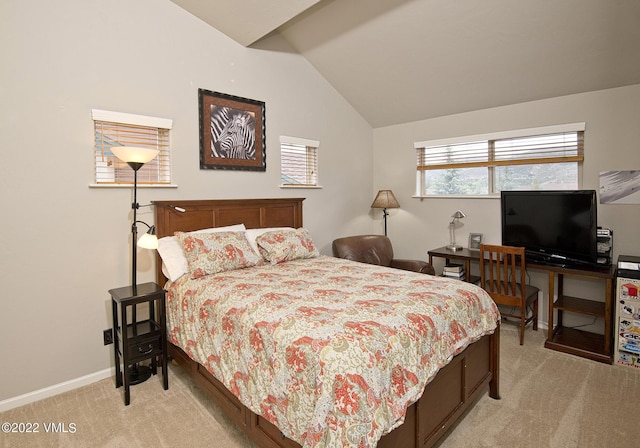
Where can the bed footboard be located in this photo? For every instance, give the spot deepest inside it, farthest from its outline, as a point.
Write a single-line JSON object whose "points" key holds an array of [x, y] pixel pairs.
{"points": [[454, 390]]}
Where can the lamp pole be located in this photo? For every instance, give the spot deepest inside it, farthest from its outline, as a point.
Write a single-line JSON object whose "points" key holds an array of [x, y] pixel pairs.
{"points": [[384, 215], [135, 166], [134, 232]]}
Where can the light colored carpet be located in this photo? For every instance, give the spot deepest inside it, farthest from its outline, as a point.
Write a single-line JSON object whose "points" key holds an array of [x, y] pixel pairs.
{"points": [[549, 399], [552, 399]]}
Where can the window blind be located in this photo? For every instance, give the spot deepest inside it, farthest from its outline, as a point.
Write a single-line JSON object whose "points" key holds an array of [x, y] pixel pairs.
{"points": [[114, 129], [298, 162], [550, 148]]}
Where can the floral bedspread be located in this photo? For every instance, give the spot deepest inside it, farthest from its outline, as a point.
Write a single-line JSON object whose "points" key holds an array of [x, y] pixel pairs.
{"points": [[330, 351]]}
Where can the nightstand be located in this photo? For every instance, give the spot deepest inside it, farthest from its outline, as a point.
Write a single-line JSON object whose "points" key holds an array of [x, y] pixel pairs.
{"points": [[135, 341]]}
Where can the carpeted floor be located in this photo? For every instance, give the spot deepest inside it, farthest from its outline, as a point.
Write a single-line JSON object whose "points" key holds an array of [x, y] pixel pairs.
{"points": [[549, 399]]}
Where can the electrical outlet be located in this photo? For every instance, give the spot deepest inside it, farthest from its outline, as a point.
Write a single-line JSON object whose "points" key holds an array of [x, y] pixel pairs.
{"points": [[108, 336]]}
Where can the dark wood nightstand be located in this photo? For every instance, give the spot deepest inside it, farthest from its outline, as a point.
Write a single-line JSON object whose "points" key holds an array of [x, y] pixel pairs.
{"points": [[135, 341]]}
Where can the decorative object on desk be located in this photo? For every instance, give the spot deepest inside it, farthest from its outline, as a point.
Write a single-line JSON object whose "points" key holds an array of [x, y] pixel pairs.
{"points": [[457, 216], [136, 157], [232, 132], [475, 240], [384, 200]]}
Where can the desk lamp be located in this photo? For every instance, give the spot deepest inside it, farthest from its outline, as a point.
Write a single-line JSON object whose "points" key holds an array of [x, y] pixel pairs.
{"points": [[452, 231]]}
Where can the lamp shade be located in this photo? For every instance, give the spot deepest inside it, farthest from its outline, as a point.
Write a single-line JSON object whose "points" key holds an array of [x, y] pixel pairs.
{"points": [[459, 214], [385, 199], [148, 241], [133, 154]]}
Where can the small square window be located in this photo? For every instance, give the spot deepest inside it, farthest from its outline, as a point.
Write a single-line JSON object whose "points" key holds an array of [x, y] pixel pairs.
{"points": [[298, 162], [113, 129]]}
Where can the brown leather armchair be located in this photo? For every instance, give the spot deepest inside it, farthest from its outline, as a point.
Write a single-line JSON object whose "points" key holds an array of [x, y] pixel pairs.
{"points": [[376, 249]]}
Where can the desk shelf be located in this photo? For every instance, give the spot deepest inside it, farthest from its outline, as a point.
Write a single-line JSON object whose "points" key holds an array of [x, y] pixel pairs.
{"points": [[581, 306], [588, 345], [580, 343], [597, 347]]}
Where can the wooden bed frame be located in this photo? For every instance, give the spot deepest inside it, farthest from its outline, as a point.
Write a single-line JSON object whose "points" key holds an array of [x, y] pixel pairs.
{"points": [[456, 387]]}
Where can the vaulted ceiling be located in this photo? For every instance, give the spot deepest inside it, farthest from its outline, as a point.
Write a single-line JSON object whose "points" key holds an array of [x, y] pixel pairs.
{"points": [[398, 61]]}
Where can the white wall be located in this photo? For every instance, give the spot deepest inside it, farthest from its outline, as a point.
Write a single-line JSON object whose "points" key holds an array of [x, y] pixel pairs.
{"points": [[65, 244], [611, 118]]}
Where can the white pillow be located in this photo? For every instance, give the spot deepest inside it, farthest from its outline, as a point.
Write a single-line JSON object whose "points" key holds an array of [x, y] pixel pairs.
{"points": [[252, 234], [174, 263]]}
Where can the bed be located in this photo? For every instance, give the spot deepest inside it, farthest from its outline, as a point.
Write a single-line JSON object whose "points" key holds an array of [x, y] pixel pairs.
{"points": [[425, 405]]}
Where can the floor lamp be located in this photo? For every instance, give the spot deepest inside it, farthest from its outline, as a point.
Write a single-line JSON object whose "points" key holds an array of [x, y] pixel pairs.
{"points": [[136, 158], [384, 200]]}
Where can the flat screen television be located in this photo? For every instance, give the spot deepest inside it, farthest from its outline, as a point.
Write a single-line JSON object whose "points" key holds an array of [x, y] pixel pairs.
{"points": [[555, 227]]}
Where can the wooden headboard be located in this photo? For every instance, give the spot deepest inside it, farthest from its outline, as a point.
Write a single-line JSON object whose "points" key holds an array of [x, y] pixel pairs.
{"points": [[203, 214]]}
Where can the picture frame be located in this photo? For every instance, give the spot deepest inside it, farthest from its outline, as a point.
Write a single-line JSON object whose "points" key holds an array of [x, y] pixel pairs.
{"points": [[232, 132], [475, 239]]}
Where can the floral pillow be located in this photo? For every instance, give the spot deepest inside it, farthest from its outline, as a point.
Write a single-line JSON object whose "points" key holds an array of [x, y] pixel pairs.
{"points": [[174, 263], [210, 253], [286, 245]]}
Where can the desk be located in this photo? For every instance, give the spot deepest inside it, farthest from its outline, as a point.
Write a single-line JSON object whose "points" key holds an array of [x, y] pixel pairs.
{"points": [[588, 345], [464, 255]]}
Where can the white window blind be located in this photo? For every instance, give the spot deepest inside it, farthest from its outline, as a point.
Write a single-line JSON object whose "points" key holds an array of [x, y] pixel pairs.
{"points": [[298, 162], [540, 158], [120, 129], [551, 148]]}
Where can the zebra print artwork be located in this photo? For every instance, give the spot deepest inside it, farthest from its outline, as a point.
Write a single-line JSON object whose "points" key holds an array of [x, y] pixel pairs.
{"points": [[232, 133]]}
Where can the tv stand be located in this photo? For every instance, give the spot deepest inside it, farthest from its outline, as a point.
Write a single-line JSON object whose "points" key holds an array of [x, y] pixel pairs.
{"points": [[570, 340]]}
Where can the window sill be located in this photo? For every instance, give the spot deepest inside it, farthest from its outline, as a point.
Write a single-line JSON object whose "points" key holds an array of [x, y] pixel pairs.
{"points": [[131, 185], [312, 187], [458, 196]]}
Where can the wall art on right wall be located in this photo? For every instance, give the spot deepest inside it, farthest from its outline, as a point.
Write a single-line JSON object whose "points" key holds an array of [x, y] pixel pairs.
{"points": [[620, 187]]}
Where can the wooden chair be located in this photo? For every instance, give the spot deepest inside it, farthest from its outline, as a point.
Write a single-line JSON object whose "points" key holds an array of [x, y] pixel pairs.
{"points": [[502, 275]]}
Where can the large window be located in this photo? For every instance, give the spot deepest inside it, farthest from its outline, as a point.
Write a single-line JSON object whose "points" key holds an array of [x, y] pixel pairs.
{"points": [[298, 162], [530, 159], [120, 129]]}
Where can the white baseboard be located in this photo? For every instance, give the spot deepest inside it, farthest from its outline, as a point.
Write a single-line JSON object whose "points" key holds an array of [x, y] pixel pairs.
{"points": [[21, 400]]}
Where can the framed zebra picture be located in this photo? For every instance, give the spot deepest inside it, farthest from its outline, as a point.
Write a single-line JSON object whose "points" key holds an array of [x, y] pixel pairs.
{"points": [[232, 132]]}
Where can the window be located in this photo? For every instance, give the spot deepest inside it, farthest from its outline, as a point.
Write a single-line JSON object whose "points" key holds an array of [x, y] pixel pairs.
{"points": [[530, 159], [298, 162], [119, 129]]}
